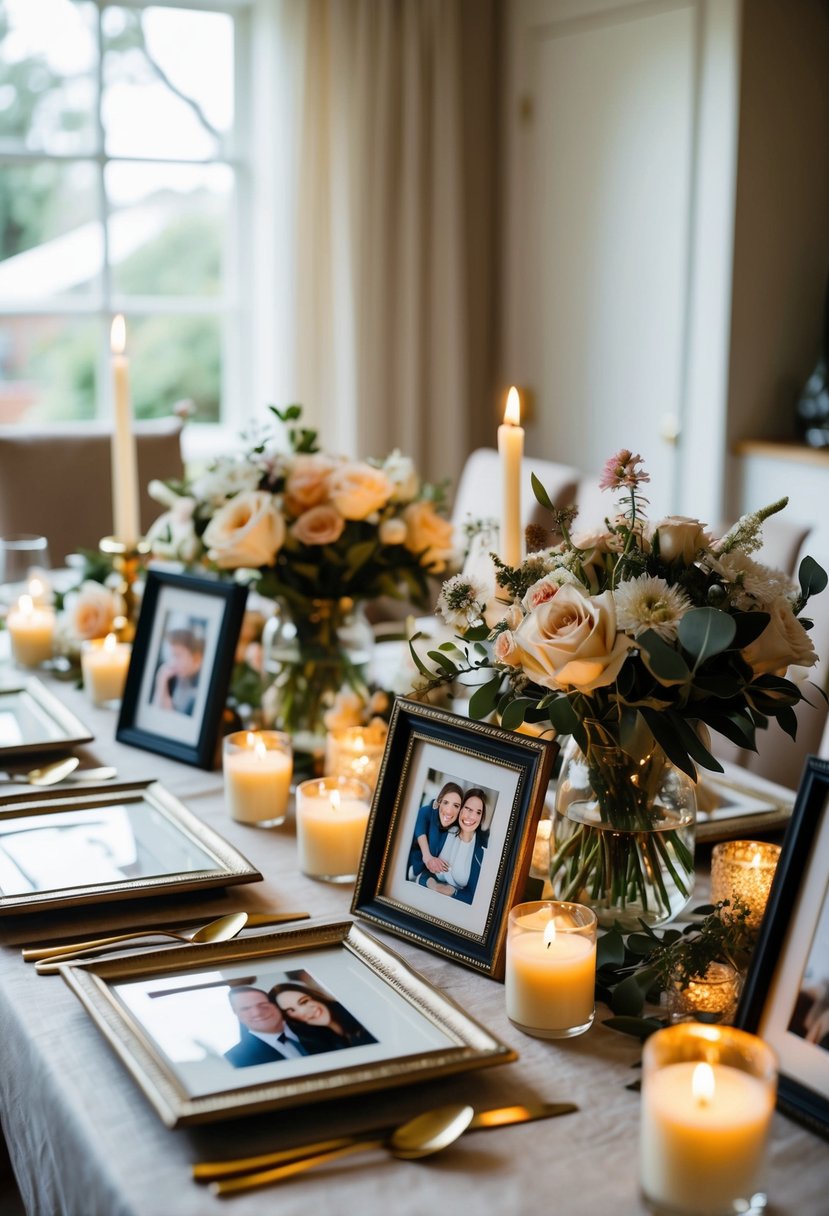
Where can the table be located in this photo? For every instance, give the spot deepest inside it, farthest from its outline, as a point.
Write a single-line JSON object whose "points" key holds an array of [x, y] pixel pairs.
{"points": [[84, 1141]]}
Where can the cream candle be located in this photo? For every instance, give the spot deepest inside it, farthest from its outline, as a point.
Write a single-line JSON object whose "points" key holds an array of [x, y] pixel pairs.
{"points": [[511, 451], [104, 664], [258, 766], [31, 631], [331, 819], [125, 525], [551, 968], [356, 751]]}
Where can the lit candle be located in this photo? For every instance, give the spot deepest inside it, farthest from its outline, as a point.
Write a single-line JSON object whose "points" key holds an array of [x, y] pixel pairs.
{"points": [[713, 995], [356, 751], [258, 766], [331, 820], [126, 527], [511, 451], [704, 1121], [551, 968], [31, 631], [744, 869], [104, 664]]}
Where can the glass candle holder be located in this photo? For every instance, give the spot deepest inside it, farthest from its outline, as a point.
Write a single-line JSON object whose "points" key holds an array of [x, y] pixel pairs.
{"points": [[356, 751], [709, 998], [258, 766], [104, 665], [708, 1096], [31, 629], [551, 968], [744, 869], [331, 820]]}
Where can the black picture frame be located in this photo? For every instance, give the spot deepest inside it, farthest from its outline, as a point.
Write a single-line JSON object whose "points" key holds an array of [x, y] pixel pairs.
{"points": [[426, 749], [186, 726], [779, 1001]]}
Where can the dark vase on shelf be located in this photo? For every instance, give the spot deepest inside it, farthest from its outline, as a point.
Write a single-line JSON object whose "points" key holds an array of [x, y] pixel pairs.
{"points": [[813, 403]]}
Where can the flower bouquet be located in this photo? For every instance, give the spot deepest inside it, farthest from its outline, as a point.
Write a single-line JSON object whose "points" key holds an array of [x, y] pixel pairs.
{"points": [[319, 534], [633, 640]]}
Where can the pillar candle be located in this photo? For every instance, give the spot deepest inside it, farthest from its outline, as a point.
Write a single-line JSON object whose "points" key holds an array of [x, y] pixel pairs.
{"points": [[126, 527], [511, 451], [258, 766], [331, 820], [31, 631], [551, 968], [104, 664]]}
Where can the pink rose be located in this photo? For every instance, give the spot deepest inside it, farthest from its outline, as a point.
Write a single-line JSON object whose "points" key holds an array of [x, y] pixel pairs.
{"points": [[247, 532], [321, 525], [571, 641], [429, 534], [357, 490], [782, 643], [307, 482]]}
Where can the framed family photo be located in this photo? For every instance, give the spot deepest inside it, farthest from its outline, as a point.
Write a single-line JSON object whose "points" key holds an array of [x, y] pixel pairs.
{"points": [[786, 995], [182, 658], [451, 833], [276, 1020]]}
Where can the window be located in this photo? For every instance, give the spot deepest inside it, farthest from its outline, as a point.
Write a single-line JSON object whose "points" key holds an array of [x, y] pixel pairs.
{"points": [[123, 188]]}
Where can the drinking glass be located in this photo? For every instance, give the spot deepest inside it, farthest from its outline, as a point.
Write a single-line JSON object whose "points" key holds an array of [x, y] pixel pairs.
{"points": [[22, 554]]}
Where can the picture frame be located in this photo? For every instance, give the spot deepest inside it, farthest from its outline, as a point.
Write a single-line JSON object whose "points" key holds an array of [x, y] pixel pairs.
{"points": [[34, 721], [182, 659], [506, 776], [62, 849], [785, 999], [738, 804], [170, 1017]]}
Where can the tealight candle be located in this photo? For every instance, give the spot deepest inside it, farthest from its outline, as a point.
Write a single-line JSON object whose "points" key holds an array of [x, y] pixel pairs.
{"points": [[258, 766], [104, 664], [744, 869], [551, 968], [32, 632], [331, 820], [356, 751], [712, 996], [707, 1100]]}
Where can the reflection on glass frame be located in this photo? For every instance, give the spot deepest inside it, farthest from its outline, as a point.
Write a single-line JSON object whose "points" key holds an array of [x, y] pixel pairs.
{"points": [[198, 1029], [786, 995], [451, 832], [731, 810], [115, 842], [32, 720], [182, 658]]}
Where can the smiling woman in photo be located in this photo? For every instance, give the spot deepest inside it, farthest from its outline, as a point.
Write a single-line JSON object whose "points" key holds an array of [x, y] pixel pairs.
{"points": [[318, 1018], [462, 851]]}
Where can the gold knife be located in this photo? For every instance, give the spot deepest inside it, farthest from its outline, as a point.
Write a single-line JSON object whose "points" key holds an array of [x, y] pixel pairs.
{"points": [[251, 1167]]}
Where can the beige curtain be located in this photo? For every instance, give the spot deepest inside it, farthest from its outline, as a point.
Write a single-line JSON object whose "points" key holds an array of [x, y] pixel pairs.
{"points": [[396, 255]]}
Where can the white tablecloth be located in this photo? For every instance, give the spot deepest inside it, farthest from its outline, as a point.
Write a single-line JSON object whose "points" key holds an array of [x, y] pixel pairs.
{"points": [[85, 1142]]}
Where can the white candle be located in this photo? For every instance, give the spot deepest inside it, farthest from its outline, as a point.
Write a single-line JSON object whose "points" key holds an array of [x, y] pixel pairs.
{"points": [[703, 1135], [356, 751], [104, 663], [331, 820], [551, 969], [126, 527], [258, 766], [511, 451], [31, 631]]}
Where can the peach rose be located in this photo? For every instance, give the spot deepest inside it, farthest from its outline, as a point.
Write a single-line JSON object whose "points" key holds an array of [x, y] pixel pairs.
{"points": [[91, 610], [357, 489], [319, 526], [571, 640], [506, 651], [307, 482], [428, 534], [680, 539], [248, 532], [784, 641], [392, 532]]}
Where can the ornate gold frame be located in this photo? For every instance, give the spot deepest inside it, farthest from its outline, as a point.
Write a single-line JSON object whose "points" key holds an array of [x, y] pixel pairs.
{"points": [[72, 732]]}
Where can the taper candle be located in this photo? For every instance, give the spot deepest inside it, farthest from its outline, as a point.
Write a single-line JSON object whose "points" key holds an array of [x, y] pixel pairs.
{"points": [[511, 451]]}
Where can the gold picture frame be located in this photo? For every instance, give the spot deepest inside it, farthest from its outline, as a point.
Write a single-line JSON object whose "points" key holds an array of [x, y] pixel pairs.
{"points": [[409, 1030], [729, 809], [64, 849], [33, 720]]}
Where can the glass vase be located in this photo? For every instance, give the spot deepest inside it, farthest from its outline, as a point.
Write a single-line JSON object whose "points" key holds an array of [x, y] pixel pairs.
{"points": [[309, 658], [623, 829]]}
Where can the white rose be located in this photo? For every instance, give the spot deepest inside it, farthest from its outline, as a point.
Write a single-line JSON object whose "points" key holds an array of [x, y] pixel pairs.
{"points": [[784, 641], [571, 641], [681, 539], [228, 476], [247, 531], [392, 532], [322, 525], [429, 535], [402, 474], [90, 611], [356, 489], [173, 535]]}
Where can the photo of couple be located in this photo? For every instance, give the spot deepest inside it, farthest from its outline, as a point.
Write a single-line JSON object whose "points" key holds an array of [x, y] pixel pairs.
{"points": [[451, 833], [290, 1019]]}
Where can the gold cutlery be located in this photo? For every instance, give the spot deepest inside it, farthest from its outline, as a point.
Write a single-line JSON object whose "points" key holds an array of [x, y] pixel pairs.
{"points": [[220, 930], [33, 954], [59, 771], [501, 1116]]}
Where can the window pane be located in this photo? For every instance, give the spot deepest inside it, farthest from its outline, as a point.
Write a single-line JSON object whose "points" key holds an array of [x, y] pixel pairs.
{"points": [[47, 76], [159, 101], [167, 229], [47, 368], [51, 244], [172, 359]]}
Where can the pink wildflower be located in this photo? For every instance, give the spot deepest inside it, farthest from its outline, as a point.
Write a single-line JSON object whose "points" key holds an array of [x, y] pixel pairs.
{"points": [[620, 472]]}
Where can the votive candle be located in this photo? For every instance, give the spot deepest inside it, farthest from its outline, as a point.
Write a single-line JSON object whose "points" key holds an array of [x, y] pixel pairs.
{"points": [[744, 869], [551, 968], [331, 820], [356, 751], [258, 766], [104, 665], [31, 631]]}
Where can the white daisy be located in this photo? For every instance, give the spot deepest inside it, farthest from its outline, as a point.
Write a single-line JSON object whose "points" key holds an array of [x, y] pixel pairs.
{"points": [[462, 602], [750, 584], [650, 603]]}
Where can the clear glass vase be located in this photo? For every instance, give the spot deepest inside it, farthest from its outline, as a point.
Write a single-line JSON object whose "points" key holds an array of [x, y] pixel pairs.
{"points": [[623, 829], [309, 657]]}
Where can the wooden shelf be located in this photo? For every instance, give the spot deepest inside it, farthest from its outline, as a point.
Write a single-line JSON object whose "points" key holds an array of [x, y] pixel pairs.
{"points": [[783, 449]]}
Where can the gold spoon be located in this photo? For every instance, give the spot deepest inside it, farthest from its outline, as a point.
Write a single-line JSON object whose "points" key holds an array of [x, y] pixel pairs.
{"points": [[419, 1137], [215, 931], [49, 774]]}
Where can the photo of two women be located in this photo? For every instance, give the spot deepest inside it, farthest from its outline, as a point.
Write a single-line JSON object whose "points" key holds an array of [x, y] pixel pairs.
{"points": [[451, 834]]}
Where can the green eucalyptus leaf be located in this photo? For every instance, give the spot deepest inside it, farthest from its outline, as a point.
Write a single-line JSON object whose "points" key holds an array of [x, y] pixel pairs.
{"points": [[514, 714], [640, 944], [443, 661], [787, 719], [640, 1028], [749, 627], [610, 949], [663, 728], [484, 699], [416, 659], [563, 717], [812, 577], [540, 493], [704, 632], [629, 996], [662, 661]]}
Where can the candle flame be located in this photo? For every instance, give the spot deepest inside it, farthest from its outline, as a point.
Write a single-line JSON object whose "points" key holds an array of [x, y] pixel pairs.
{"points": [[251, 739], [35, 588], [110, 641], [550, 933], [26, 605], [755, 861], [118, 335], [260, 749], [703, 1084], [334, 800], [512, 414]]}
